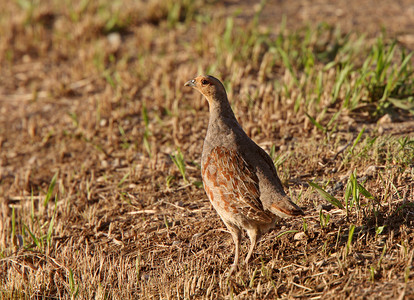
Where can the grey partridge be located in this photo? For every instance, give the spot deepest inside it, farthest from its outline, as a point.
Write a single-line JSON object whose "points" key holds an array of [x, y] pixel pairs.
{"points": [[239, 177]]}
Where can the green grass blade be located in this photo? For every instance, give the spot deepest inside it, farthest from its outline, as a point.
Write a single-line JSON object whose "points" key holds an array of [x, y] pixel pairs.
{"points": [[355, 191], [147, 144], [347, 196], [123, 179], [280, 159], [144, 114], [50, 190], [350, 237], [286, 232], [13, 223], [364, 192], [71, 282], [32, 216], [357, 139], [34, 238], [315, 123], [328, 197], [251, 283], [338, 84], [288, 65], [403, 67], [334, 118], [52, 221], [178, 160], [405, 104]]}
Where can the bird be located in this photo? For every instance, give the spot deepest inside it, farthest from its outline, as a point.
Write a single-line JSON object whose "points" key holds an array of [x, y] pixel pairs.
{"points": [[239, 177]]}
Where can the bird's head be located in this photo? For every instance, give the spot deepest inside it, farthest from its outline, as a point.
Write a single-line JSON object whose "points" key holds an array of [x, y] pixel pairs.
{"points": [[209, 86]]}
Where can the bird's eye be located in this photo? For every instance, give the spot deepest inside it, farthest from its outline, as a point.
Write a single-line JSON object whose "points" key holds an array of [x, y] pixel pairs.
{"points": [[204, 82]]}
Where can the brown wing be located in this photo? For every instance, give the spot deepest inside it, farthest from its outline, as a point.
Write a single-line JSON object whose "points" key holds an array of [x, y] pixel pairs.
{"points": [[271, 165], [226, 174], [282, 203]]}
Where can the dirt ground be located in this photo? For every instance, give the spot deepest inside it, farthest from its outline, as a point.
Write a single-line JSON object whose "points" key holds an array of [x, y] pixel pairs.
{"points": [[368, 17], [99, 101]]}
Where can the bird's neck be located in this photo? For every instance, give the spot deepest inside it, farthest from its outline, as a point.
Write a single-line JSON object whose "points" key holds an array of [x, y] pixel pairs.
{"points": [[220, 109], [222, 126]]}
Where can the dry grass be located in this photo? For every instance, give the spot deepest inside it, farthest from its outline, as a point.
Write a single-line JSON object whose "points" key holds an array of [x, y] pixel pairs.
{"points": [[93, 92]]}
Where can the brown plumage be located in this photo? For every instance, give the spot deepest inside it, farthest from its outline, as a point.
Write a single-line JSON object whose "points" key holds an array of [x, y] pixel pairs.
{"points": [[239, 177]]}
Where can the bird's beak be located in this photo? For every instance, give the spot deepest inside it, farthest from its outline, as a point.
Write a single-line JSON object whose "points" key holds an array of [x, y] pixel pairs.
{"points": [[190, 83]]}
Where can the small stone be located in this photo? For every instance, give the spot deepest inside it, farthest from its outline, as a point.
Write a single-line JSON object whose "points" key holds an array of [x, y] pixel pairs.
{"points": [[101, 179], [104, 164], [299, 236], [114, 40], [371, 171], [385, 119]]}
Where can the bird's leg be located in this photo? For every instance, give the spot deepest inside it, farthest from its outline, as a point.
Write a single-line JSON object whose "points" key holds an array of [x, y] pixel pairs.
{"points": [[236, 234], [254, 236]]}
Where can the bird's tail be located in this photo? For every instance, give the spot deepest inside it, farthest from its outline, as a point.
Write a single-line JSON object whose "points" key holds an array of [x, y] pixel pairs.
{"points": [[284, 207]]}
